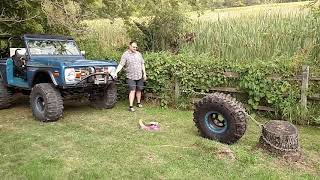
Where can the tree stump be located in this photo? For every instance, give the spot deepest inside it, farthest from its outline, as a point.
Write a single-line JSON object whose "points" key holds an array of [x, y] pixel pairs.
{"points": [[280, 138]]}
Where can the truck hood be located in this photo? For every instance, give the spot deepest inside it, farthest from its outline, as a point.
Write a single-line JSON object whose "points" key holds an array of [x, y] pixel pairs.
{"points": [[77, 61], [85, 62]]}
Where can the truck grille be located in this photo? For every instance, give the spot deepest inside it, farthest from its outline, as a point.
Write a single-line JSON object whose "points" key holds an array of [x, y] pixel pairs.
{"points": [[84, 72]]}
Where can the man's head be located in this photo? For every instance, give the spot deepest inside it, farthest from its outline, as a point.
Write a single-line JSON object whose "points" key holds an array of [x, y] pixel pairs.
{"points": [[133, 46]]}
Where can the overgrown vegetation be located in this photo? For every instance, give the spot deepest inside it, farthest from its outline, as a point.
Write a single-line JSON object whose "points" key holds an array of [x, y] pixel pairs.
{"points": [[256, 46], [42, 16], [95, 144], [263, 36], [198, 74]]}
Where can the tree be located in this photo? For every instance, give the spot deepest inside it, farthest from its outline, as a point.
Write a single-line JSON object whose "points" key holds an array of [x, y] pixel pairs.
{"points": [[44, 16], [161, 29], [161, 22], [21, 16]]}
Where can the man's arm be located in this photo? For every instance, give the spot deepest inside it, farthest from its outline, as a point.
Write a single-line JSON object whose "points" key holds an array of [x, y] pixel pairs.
{"points": [[120, 66], [115, 74]]}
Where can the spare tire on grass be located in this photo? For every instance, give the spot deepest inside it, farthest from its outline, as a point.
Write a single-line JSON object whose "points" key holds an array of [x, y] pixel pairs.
{"points": [[220, 117]]}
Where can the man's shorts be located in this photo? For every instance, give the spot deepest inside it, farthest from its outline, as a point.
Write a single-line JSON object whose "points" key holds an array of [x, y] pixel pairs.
{"points": [[135, 84]]}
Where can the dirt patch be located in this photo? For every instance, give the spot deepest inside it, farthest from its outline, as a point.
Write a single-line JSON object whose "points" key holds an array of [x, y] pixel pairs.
{"points": [[301, 165], [225, 153], [151, 157]]}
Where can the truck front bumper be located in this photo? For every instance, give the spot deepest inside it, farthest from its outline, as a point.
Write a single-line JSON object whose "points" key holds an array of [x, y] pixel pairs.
{"points": [[92, 80]]}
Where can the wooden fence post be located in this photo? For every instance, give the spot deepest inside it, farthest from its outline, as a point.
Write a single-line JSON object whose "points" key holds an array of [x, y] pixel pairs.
{"points": [[176, 89], [304, 86]]}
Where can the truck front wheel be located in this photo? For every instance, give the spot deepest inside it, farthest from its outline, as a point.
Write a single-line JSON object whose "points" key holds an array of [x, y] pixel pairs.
{"points": [[46, 102], [107, 100]]}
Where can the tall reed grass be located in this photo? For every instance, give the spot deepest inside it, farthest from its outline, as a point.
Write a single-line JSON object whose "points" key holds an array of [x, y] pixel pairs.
{"points": [[262, 36], [110, 34], [262, 32]]}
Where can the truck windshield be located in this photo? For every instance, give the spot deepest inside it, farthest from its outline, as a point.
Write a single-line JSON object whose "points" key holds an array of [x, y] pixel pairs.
{"points": [[53, 48]]}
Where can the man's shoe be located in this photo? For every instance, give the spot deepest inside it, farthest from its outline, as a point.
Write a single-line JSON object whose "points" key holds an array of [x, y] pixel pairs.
{"points": [[139, 105], [131, 109]]}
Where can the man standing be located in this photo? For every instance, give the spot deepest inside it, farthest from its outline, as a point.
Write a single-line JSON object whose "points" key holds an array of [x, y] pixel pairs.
{"points": [[133, 64]]}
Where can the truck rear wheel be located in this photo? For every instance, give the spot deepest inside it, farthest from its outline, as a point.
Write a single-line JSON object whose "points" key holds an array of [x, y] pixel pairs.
{"points": [[218, 116], [107, 100], [5, 95], [46, 102]]}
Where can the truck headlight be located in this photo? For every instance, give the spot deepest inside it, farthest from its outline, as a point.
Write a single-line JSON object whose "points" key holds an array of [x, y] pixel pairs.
{"points": [[111, 69], [69, 75]]}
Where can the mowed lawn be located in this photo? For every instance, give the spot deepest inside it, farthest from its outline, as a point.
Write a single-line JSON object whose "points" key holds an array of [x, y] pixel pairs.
{"points": [[105, 144]]}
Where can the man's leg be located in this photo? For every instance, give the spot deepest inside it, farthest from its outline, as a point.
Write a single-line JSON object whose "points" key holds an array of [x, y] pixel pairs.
{"points": [[138, 94], [132, 88], [131, 97], [140, 85]]}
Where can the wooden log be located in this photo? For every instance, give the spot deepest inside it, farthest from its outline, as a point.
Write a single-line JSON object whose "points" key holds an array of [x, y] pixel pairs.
{"points": [[266, 108], [314, 97], [176, 89], [235, 75], [304, 86], [227, 89], [230, 74], [280, 138]]}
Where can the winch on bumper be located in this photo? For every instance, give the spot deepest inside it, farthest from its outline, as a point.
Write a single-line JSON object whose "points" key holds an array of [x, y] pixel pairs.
{"points": [[88, 76], [96, 78], [99, 87]]}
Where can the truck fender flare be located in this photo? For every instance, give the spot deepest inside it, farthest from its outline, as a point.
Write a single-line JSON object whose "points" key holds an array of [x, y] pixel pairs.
{"points": [[49, 73]]}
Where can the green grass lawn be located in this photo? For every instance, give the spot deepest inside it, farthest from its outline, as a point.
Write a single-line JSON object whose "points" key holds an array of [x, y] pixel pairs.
{"points": [[104, 144]]}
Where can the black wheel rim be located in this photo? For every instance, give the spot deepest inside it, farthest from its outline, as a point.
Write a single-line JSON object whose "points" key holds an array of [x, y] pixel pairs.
{"points": [[40, 104]]}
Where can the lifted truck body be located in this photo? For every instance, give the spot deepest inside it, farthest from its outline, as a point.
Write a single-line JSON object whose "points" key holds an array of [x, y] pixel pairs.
{"points": [[54, 65]]}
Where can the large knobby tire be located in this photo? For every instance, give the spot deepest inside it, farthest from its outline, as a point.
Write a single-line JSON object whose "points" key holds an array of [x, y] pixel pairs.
{"points": [[5, 95], [46, 102], [107, 100], [220, 117]]}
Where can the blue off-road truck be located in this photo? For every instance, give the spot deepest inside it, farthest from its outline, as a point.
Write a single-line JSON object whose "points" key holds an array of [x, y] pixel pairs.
{"points": [[52, 69]]}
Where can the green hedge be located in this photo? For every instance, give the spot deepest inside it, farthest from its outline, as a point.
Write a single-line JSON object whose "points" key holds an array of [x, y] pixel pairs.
{"points": [[200, 73]]}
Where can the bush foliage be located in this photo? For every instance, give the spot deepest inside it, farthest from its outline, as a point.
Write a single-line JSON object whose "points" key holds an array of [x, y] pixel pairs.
{"points": [[255, 47], [196, 74]]}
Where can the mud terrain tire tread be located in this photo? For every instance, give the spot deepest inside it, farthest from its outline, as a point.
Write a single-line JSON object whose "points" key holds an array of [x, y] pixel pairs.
{"points": [[107, 100], [229, 108], [52, 99]]}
